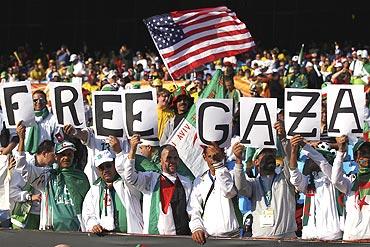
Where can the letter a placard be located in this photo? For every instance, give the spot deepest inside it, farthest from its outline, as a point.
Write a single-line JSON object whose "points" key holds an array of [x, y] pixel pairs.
{"points": [[257, 118], [214, 121], [303, 113], [67, 103], [345, 110], [17, 104]]}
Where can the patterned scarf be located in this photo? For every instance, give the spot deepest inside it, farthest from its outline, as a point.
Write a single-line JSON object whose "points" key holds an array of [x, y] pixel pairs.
{"points": [[362, 183]]}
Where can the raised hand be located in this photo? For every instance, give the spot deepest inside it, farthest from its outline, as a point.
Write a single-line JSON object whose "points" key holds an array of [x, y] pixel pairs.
{"points": [[21, 130], [238, 150], [279, 126], [114, 144], [134, 142], [69, 130], [342, 142]]}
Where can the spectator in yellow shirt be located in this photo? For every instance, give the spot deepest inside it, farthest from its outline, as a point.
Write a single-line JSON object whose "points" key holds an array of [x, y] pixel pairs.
{"points": [[163, 110]]}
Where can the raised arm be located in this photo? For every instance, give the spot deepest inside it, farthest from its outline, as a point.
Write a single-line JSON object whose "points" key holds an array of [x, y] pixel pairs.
{"points": [[341, 182], [37, 176], [142, 181], [296, 177], [215, 157], [82, 135], [243, 186]]}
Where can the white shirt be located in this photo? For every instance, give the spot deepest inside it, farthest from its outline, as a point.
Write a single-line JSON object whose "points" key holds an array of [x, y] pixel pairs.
{"points": [[218, 217], [356, 225], [146, 182], [130, 198], [323, 209]]}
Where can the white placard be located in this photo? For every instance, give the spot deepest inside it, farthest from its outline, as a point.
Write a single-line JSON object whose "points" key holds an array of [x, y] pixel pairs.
{"points": [[345, 110], [303, 113], [17, 103], [77, 79], [67, 103], [107, 114], [214, 121], [140, 112], [257, 119]]}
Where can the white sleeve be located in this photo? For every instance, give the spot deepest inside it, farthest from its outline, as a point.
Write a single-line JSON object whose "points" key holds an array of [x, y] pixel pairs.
{"points": [[243, 186], [195, 209], [36, 176], [341, 182], [298, 180], [226, 182], [15, 188], [89, 217], [125, 167], [90, 138]]}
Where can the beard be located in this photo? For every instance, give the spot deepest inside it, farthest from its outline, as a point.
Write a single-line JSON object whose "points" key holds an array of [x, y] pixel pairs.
{"points": [[268, 165]]}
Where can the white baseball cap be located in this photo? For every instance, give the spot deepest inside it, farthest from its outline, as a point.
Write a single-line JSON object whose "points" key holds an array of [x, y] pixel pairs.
{"points": [[309, 64], [103, 156], [72, 57], [154, 142]]}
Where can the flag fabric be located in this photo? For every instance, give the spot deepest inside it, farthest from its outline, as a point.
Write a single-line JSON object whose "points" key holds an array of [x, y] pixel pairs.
{"points": [[188, 39], [184, 137]]}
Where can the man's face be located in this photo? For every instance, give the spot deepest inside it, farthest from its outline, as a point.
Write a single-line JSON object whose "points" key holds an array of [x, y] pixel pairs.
{"points": [[266, 161], [229, 86], [213, 155], [39, 101], [107, 171], [163, 99], [363, 156], [145, 150], [48, 158], [169, 161], [65, 158], [182, 104]]}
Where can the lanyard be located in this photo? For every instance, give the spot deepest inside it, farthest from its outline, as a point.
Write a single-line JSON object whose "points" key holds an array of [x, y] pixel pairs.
{"points": [[267, 200], [210, 177]]}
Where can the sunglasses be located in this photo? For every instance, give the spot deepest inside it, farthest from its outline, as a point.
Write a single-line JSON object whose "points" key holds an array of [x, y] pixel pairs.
{"points": [[363, 162], [41, 100], [105, 166]]}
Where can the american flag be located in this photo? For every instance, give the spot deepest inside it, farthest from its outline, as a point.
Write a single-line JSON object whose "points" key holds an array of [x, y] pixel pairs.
{"points": [[188, 39]]}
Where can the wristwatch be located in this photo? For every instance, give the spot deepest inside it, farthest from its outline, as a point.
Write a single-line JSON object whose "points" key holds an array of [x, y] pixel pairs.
{"points": [[29, 197]]}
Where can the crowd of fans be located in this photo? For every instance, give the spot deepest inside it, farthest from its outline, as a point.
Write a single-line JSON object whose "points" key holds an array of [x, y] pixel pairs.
{"points": [[141, 185]]}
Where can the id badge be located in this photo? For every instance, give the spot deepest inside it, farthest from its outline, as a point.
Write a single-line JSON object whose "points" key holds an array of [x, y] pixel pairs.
{"points": [[267, 217]]}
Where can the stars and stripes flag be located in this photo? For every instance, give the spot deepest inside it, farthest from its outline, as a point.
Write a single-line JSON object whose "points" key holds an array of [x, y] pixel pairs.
{"points": [[188, 39]]}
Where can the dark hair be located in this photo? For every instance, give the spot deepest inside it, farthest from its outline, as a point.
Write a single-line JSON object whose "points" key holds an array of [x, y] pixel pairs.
{"points": [[162, 91], [364, 149], [45, 146], [40, 92], [168, 147]]}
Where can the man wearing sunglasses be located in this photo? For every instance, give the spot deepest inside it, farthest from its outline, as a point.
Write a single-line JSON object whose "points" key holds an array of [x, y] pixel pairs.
{"points": [[111, 204], [45, 127], [357, 189]]}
